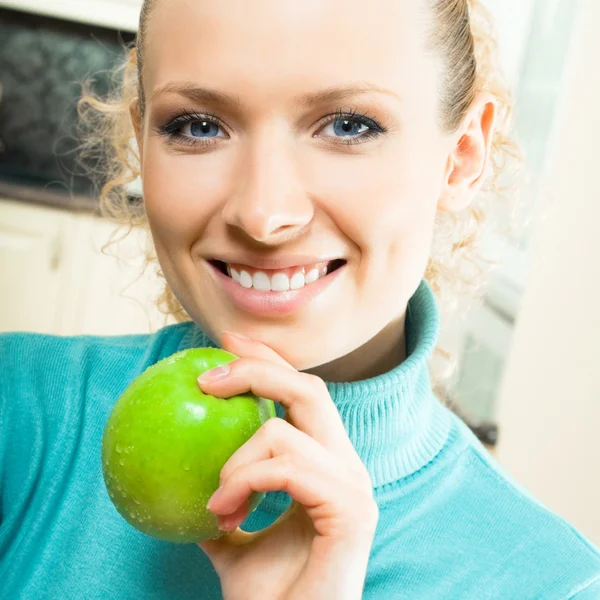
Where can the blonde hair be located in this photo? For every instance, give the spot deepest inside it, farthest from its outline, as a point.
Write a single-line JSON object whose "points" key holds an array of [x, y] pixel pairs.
{"points": [[462, 34]]}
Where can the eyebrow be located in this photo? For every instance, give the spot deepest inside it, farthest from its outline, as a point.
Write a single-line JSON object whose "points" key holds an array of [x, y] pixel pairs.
{"points": [[211, 96]]}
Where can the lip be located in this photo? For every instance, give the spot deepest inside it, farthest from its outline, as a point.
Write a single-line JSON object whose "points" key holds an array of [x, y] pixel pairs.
{"points": [[271, 303], [272, 263]]}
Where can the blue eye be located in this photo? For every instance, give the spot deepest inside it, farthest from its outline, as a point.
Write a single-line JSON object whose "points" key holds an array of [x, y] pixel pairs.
{"points": [[348, 127], [201, 129], [351, 128], [193, 129]]}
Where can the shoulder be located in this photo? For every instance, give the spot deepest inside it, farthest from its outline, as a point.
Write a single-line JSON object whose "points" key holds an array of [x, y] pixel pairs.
{"points": [[58, 390], [38, 365], [21, 344], [30, 351], [536, 546], [471, 527]]}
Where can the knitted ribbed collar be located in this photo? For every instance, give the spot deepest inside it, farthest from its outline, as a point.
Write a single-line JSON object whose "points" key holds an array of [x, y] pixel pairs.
{"points": [[394, 421]]}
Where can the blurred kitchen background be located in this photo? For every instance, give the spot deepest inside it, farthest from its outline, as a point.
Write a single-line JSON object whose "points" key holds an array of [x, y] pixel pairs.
{"points": [[528, 383]]}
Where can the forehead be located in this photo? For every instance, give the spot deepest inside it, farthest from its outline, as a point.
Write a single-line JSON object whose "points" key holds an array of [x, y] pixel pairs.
{"points": [[271, 49]]}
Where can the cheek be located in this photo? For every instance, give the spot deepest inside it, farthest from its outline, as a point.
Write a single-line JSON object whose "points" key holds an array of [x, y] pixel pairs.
{"points": [[385, 204], [180, 194]]}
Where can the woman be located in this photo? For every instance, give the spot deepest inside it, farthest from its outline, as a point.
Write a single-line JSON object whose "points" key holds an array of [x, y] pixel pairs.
{"points": [[305, 165]]}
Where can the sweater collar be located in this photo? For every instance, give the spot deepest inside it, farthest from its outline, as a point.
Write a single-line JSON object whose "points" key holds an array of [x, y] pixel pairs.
{"points": [[394, 421]]}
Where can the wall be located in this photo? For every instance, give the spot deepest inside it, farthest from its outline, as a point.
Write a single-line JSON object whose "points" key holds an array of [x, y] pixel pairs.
{"points": [[513, 23], [549, 407]]}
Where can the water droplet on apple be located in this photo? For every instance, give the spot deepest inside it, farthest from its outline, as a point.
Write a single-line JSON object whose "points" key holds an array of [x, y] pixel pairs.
{"points": [[186, 467], [119, 448], [121, 462]]}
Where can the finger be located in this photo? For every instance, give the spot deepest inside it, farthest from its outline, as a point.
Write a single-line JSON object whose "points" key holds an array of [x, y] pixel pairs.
{"points": [[245, 347], [305, 396], [235, 519], [219, 550], [332, 506], [282, 473], [275, 438]]}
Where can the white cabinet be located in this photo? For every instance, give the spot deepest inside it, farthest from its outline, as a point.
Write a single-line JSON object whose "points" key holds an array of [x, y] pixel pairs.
{"points": [[55, 278], [114, 295], [32, 265], [115, 14]]}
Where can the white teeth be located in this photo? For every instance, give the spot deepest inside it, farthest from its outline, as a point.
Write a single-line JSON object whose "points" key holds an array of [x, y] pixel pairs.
{"points": [[279, 282], [246, 279], [311, 276], [261, 281], [297, 281]]}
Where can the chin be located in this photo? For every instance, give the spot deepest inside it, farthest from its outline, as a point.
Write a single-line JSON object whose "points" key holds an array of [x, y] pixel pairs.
{"points": [[300, 349]]}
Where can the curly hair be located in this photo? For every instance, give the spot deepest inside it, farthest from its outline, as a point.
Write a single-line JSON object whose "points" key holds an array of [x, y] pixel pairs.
{"points": [[463, 36]]}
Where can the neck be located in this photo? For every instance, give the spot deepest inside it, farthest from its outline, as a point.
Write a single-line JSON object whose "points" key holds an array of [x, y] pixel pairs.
{"points": [[393, 419], [378, 356]]}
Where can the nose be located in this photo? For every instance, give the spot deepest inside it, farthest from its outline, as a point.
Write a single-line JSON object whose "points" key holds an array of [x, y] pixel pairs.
{"points": [[269, 203]]}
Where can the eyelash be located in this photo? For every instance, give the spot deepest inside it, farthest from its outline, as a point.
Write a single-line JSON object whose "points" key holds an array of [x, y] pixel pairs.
{"points": [[172, 130]]}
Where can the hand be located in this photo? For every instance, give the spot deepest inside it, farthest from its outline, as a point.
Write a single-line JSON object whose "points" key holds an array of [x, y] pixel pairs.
{"points": [[319, 548]]}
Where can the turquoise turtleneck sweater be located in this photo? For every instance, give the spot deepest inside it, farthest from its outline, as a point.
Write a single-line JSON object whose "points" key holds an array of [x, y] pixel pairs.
{"points": [[452, 525]]}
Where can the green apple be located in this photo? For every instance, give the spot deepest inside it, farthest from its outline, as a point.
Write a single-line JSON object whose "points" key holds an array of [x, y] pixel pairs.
{"points": [[166, 442]]}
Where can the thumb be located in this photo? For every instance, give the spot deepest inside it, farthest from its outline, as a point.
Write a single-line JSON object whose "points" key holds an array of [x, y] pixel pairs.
{"points": [[218, 549]]}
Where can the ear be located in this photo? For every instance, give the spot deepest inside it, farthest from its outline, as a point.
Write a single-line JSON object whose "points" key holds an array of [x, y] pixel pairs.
{"points": [[468, 160], [136, 121]]}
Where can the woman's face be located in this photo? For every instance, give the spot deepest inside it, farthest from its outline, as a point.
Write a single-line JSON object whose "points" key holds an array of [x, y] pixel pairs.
{"points": [[327, 147]]}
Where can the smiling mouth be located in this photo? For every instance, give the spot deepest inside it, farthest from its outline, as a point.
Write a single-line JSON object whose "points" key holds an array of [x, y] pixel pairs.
{"points": [[277, 280], [331, 266]]}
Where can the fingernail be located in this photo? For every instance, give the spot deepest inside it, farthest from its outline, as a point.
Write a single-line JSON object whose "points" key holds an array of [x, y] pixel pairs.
{"points": [[227, 523], [214, 498], [214, 374]]}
